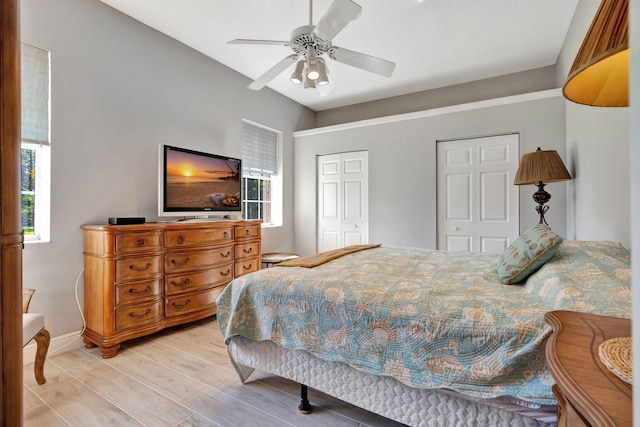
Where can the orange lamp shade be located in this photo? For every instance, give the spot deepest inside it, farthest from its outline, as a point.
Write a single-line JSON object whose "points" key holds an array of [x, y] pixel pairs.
{"points": [[600, 73]]}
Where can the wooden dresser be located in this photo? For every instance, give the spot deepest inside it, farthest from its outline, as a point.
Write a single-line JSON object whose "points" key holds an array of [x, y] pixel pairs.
{"points": [[588, 393], [139, 279]]}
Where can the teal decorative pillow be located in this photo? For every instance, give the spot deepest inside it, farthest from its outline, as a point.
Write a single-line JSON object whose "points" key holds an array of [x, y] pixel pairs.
{"points": [[524, 256]]}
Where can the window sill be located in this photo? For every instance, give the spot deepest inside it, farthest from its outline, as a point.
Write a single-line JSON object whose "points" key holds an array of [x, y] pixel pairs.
{"points": [[35, 241], [264, 225]]}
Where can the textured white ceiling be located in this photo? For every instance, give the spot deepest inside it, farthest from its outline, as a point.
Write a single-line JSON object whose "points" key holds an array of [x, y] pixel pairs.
{"points": [[435, 43]]}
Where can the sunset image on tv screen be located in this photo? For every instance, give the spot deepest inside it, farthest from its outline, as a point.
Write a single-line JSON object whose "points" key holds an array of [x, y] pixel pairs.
{"points": [[199, 181]]}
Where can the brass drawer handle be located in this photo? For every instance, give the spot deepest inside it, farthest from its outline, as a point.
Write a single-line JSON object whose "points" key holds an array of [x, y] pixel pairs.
{"points": [[181, 239], [225, 235], [146, 290], [247, 267], [223, 273], [178, 306], [181, 284], [247, 251], [226, 255], [180, 264], [139, 243], [247, 232], [134, 268], [140, 316]]}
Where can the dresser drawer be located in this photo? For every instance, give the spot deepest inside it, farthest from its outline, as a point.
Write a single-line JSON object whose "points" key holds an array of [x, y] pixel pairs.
{"points": [[247, 231], [246, 266], [136, 292], [183, 261], [138, 315], [138, 268], [247, 250], [181, 238], [183, 304], [130, 242], [181, 283]]}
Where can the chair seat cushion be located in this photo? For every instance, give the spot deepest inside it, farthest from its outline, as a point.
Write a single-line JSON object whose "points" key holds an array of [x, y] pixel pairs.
{"points": [[32, 323]]}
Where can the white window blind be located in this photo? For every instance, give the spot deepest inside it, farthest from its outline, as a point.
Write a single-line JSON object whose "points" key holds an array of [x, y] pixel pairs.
{"points": [[35, 94], [259, 149]]}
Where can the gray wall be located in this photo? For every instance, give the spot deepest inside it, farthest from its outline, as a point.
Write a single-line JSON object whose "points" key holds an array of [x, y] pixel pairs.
{"points": [[402, 167], [496, 87], [119, 89], [598, 153]]}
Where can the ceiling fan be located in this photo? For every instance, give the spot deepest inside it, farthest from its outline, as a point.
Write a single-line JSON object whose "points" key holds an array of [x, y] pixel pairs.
{"points": [[310, 43]]}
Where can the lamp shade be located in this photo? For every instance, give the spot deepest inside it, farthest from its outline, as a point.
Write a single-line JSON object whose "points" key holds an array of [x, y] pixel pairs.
{"points": [[296, 76], [600, 73], [541, 165]]}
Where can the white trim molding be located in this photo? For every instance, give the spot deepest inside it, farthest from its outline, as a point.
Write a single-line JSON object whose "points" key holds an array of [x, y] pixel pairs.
{"points": [[57, 345], [514, 99]]}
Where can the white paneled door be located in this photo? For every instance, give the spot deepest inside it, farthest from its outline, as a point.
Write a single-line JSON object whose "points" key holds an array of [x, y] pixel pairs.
{"points": [[343, 205], [477, 202]]}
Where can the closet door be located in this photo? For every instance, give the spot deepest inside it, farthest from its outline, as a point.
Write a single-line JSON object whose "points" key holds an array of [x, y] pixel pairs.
{"points": [[477, 201], [342, 200]]}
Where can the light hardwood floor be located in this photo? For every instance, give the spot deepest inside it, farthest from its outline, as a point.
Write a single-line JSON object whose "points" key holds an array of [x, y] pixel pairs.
{"points": [[178, 377]]}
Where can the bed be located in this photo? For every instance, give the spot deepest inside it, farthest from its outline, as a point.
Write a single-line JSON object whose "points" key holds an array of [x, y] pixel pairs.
{"points": [[419, 336]]}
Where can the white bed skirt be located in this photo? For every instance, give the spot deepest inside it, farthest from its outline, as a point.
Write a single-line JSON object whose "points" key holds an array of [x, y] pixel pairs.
{"points": [[383, 395]]}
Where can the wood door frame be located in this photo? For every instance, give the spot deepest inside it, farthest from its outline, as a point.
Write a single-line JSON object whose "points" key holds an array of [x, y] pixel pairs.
{"points": [[10, 222]]}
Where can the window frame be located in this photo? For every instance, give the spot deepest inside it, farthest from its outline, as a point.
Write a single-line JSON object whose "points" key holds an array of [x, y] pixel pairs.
{"points": [[36, 133], [42, 205], [275, 200]]}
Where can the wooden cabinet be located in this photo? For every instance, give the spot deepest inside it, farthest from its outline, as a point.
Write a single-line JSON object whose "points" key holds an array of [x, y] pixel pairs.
{"points": [[588, 393], [139, 279]]}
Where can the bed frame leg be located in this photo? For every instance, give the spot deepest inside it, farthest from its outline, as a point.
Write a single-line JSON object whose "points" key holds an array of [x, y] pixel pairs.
{"points": [[304, 407]]}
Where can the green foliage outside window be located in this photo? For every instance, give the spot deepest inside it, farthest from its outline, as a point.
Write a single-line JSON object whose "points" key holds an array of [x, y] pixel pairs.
{"points": [[28, 188]]}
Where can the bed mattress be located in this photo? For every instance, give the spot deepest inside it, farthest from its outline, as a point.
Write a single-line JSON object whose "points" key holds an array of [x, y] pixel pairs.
{"points": [[381, 394]]}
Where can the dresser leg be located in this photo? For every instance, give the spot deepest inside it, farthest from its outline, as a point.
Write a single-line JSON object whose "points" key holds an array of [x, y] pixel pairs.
{"points": [[88, 344], [108, 352]]}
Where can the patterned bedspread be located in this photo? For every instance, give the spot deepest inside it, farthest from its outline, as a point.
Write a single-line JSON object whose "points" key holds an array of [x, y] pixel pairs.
{"points": [[430, 319]]}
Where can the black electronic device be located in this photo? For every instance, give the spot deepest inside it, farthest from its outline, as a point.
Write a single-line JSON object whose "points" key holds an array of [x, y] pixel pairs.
{"points": [[126, 220]]}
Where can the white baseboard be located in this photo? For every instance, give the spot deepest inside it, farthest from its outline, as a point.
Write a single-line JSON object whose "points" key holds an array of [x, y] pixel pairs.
{"points": [[56, 345]]}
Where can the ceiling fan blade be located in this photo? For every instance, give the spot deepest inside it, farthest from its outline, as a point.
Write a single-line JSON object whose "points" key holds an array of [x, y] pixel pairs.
{"points": [[251, 41], [339, 14], [272, 73], [360, 60]]}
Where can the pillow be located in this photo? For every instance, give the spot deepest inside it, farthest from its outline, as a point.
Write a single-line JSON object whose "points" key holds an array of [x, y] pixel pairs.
{"points": [[524, 256]]}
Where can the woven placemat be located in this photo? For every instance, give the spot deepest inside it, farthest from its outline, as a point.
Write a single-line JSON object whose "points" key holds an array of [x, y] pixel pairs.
{"points": [[616, 356]]}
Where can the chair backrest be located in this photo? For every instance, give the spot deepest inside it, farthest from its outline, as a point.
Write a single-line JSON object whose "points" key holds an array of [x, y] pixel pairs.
{"points": [[26, 299]]}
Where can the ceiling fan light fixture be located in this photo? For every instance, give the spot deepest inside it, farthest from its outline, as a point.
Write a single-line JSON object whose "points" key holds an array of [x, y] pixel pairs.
{"points": [[296, 76], [313, 70], [323, 78], [310, 42]]}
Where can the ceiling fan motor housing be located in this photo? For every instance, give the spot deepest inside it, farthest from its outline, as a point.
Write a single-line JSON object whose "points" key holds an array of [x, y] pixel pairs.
{"points": [[303, 37]]}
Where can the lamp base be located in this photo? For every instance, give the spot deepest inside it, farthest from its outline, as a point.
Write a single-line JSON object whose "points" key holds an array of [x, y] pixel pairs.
{"points": [[542, 209], [541, 197]]}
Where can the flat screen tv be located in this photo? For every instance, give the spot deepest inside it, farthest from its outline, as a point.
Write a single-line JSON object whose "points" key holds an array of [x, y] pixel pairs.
{"points": [[195, 183]]}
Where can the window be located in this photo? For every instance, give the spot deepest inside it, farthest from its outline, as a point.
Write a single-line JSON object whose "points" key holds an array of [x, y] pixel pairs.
{"points": [[35, 156], [261, 180]]}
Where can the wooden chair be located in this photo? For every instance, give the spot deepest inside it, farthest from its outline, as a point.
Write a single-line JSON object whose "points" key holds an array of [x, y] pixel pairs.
{"points": [[33, 328]]}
